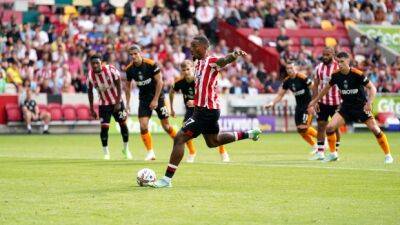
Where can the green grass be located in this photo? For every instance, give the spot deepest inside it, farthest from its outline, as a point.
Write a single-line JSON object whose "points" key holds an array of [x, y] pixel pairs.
{"points": [[62, 180]]}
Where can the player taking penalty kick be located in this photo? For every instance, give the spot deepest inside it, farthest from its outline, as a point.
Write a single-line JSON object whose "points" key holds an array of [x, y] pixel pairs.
{"points": [[106, 80], [300, 86], [207, 109], [186, 85], [355, 106]]}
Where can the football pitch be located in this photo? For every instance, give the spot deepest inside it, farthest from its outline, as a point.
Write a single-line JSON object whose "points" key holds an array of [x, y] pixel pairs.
{"points": [[61, 179]]}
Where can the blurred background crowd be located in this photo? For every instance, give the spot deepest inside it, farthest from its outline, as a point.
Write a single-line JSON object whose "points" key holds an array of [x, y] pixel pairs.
{"points": [[50, 55]]}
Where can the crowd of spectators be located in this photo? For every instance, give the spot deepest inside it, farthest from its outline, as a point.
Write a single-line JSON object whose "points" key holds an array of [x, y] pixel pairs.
{"points": [[50, 56]]}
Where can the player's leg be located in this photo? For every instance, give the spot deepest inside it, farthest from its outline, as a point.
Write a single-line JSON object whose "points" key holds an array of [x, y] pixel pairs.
{"points": [[45, 117], [380, 137], [302, 120], [191, 129], [189, 144], [336, 121], [322, 122], [121, 116], [105, 112], [146, 138], [144, 117], [223, 153], [28, 119], [163, 115]]}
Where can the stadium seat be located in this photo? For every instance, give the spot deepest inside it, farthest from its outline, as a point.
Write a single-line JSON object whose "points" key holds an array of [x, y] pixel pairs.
{"points": [[327, 25], [13, 112], [43, 108], [55, 111], [306, 41], [295, 41], [83, 112], [330, 42], [44, 9], [70, 10], [344, 42], [317, 51], [349, 23], [119, 12], [68, 112], [318, 42], [383, 116]]}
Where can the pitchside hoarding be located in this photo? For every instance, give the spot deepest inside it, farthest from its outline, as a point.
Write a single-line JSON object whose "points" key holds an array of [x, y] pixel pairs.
{"points": [[389, 35], [227, 123], [387, 104]]}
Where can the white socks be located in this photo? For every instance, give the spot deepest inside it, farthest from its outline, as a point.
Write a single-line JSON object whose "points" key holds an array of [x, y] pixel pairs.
{"points": [[126, 146], [29, 127], [105, 150], [46, 127]]}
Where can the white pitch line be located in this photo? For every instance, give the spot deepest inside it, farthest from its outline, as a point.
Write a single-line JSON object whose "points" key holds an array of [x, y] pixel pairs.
{"points": [[297, 166]]}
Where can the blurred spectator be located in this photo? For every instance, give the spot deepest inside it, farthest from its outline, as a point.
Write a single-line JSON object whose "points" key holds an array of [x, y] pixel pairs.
{"points": [[367, 16], [255, 38], [238, 88], [255, 21], [282, 41], [13, 73], [272, 84], [2, 80]]}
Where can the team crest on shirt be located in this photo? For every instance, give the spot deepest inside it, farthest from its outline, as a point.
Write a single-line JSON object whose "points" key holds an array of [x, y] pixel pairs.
{"points": [[293, 87], [345, 84], [140, 77]]}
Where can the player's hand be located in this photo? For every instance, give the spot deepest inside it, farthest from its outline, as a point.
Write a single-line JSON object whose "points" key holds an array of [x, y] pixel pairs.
{"points": [[269, 105], [368, 107], [128, 109], [190, 103], [153, 104], [239, 52], [93, 113], [316, 107], [173, 113], [117, 107], [311, 110]]}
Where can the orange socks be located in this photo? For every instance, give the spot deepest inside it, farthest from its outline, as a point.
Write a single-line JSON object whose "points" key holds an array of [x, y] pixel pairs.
{"points": [[308, 138], [171, 132], [146, 138], [383, 142], [221, 149], [190, 145], [332, 142], [311, 131]]}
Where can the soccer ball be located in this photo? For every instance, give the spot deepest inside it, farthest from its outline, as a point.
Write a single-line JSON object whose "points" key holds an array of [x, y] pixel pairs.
{"points": [[144, 176]]}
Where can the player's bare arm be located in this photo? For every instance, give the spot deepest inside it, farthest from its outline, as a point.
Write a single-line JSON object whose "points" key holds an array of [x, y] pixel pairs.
{"points": [[128, 95], [231, 57], [171, 100], [277, 99], [315, 100], [90, 96], [159, 85], [371, 90]]}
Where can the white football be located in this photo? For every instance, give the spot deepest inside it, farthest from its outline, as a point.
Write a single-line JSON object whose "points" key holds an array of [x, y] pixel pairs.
{"points": [[144, 176]]}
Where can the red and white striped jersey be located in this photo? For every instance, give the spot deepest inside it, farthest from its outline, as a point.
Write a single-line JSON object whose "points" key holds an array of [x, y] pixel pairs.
{"points": [[323, 74], [104, 83], [206, 88]]}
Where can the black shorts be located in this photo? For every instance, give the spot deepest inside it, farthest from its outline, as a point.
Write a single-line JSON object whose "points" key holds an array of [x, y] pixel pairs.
{"points": [[354, 114], [326, 111], [203, 121], [188, 114], [301, 117], [105, 112], [145, 111]]}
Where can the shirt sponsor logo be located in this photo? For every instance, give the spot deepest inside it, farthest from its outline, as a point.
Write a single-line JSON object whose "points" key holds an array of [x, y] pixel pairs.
{"points": [[349, 92], [143, 83], [301, 92]]}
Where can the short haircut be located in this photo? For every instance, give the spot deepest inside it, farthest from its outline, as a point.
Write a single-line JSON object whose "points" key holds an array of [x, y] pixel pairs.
{"points": [[291, 62], [330, 49], [186, 63], [95, 57], [343, 55], [134, 48], [202, 40]]}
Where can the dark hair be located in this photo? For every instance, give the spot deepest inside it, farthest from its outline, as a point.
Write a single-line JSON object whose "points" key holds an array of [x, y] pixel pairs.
{"points": [[134, 47], [94, 57], [202, 40], [343, 55]]}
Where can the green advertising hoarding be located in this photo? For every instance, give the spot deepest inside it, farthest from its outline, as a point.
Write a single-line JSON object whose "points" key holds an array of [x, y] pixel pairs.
{"points": [[389, 35], [387, 104]]}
